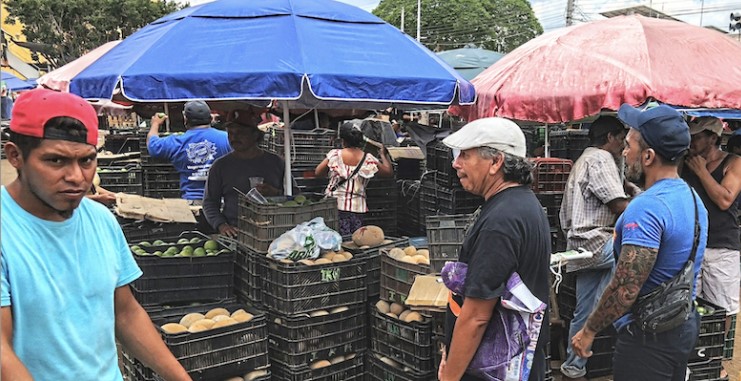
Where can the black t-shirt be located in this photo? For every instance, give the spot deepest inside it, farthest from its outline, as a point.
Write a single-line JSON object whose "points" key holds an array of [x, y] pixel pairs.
{"points": [[510, 235]]}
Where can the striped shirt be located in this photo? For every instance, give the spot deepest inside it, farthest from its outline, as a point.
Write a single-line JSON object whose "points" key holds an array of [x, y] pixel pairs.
{"points": [[588, 222], [351, 194]]}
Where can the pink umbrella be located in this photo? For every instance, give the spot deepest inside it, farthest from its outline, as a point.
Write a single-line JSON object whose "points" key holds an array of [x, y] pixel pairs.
{"points": [[576, 72], [59, 79]]}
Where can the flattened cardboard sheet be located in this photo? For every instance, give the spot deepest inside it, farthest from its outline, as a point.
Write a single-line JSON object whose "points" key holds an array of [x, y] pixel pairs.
{"points": [[428, 293], [158, 210]]}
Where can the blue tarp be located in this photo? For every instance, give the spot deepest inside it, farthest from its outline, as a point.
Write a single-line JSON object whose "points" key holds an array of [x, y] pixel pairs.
{"points": [[315, 53], [16, 84]]}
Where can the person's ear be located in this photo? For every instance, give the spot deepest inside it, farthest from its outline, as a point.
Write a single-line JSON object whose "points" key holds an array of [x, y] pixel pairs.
{"points": [[13, 154], [649, 156]]}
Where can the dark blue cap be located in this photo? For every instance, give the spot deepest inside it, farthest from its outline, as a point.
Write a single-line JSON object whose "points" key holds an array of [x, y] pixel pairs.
{"points": [[662, 128]]}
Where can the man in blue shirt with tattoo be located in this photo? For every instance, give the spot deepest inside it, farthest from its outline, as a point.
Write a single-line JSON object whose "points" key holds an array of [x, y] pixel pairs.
{"points": [[653, 240]]}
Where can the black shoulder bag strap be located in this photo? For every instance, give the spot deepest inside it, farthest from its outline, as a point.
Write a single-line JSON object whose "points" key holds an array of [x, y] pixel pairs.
{"points": [[355, 172], [696, 243]]}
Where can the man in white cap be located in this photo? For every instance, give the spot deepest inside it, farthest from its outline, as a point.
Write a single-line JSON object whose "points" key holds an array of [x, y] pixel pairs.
{"points": [[509, 235], [716, 177]]}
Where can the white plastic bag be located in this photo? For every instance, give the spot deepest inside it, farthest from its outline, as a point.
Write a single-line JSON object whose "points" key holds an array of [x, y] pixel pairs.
{"points": [[304, 241]]}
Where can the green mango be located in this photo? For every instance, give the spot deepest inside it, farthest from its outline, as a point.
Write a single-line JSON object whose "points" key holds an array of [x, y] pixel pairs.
{"points": [[183, 241], [158, 243], [195, 240], [144, 243], [199, 252], [211, 245]]}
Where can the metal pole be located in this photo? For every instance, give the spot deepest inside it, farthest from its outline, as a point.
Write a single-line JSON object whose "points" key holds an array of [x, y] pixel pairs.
{"points": [[167, 120], [547, 147], [287, 143], [316, 119], [402, 19], [702, 10], [419, 20]]}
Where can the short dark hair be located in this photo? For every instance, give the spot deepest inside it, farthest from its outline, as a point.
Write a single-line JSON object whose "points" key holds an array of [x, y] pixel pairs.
{"points": [[61, 125], [664, 161], [602, 127]]}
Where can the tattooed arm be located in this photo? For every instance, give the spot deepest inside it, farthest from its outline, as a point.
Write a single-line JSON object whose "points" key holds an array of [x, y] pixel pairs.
{"points": [[633, 267]]}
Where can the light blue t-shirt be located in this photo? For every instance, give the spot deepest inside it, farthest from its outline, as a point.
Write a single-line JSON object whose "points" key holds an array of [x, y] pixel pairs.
{"points": [[192, 154], [59, 279], [663, 218]]}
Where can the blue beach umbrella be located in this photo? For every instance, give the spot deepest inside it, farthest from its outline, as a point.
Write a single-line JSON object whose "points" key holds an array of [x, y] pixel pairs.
{"points": [[306, 53]]}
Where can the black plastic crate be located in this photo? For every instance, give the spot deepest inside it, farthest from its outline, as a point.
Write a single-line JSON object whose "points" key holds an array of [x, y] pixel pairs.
{"points": [[603, 347], [445, 236], [160, 181], [568, 144], [294, 288], [449, 200], [440, 160], [118, 144], [397, 277], [730, 338], [372, 256], [183, 279], [383, 218], [550, 174], [134, 369], [552, 202], [410, 344], [301, 340], [711, 340], [137, 231], [249, 270], [409, 221], [705, 370], [313, 138], [221, 352], [379, 371], [259, 225], [349, 370]]}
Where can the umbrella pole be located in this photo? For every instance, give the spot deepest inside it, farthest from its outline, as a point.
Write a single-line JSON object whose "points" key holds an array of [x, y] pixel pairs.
{"points": [[167, 120], [316, 118], [547, 142], [287, 183]]}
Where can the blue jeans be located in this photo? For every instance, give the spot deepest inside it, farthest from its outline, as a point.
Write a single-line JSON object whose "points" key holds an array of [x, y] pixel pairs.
{"points": [[590, 284], [641, 356]]}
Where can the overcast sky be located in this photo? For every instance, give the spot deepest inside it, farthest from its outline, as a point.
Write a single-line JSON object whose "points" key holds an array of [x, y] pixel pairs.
{"points": [[552, 13]]}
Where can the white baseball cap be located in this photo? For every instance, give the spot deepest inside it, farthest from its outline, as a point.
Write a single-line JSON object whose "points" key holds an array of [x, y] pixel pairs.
{"points": [[499, 133]]}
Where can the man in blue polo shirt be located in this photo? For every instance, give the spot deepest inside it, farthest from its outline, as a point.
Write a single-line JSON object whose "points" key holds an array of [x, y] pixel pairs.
{"points": [[193, 152], [654, 238]]}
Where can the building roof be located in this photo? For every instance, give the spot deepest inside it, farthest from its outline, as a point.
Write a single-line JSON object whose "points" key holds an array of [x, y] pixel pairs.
{"points": [[642, 10]]}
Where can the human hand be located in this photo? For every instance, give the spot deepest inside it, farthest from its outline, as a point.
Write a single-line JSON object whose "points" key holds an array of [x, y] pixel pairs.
{"points": [[267, 190], [441, 368], [107, 199], [158, 118], [696, 163], [582, 342], [228, 230]]}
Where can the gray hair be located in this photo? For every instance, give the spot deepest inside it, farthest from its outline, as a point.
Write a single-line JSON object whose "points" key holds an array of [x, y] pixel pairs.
{"points": [[516, 169]]}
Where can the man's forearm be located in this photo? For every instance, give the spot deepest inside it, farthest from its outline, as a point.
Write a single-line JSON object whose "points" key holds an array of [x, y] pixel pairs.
{"points": [[12, 367], [135, 331], [632, 270], [467, 337]]}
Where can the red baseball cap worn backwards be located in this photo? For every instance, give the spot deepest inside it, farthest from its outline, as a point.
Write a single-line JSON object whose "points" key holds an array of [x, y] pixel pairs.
{"points": [[34, 108]]}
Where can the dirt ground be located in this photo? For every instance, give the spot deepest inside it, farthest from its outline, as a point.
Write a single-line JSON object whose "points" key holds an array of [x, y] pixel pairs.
{"points": [[733, 366]]}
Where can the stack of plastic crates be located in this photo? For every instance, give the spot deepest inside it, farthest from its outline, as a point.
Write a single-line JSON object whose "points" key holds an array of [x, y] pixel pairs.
{"points": [[550, 176], [308, 148], [160, 179], [445, 236], [122, 141], [317, 319], [409, 221], [705, 359], [125, 179], [232, 350], [381, 196], [401, 350], [568, 144]]}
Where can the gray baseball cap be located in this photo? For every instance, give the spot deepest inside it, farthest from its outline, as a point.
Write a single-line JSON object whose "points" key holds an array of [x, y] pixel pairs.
{"points": [[197, 112]]}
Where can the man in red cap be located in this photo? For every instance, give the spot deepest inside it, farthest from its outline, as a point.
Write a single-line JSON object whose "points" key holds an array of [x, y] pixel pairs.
{"points": [[66, 266]]}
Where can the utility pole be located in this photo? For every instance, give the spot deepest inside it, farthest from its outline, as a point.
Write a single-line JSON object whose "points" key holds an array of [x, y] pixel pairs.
{"points": [[419, 20], [702, 10], [569, 12], [402, 19]]}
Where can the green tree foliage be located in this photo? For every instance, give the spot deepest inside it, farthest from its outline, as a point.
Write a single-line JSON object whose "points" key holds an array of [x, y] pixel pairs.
{"points": [[63, 30], [499, 25]]}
